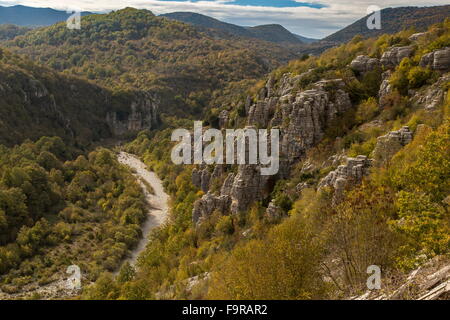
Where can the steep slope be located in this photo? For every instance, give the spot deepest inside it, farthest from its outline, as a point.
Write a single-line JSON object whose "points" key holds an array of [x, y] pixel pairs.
{"points": [[394, 20], [32, 17], [272, 33], [36, 101], [132, 48], [208, 22]]}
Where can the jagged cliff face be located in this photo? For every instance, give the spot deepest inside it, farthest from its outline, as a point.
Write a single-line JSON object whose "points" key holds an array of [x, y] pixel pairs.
{"points": [[142, 115], [35, 101], [303, 117]]}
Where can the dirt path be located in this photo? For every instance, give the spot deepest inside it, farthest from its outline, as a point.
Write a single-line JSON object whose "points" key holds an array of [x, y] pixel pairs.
{"points": [[158, 201]]}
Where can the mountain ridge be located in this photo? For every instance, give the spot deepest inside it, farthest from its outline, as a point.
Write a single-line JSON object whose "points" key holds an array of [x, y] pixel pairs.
{"points": [[271, 32]]}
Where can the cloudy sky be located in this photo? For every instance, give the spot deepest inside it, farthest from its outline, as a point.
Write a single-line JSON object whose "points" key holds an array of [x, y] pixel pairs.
{"points": [[311, 18]]}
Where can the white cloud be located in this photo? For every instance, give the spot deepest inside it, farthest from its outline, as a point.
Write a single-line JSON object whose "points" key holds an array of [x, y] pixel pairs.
{"points": [[302, 20]]}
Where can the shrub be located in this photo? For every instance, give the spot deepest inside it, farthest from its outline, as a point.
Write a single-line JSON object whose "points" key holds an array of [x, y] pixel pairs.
{"points": [[418, 76]]}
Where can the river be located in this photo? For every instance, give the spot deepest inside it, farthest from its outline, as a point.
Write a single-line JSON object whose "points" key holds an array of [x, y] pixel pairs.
{"points": [[158, 201]]}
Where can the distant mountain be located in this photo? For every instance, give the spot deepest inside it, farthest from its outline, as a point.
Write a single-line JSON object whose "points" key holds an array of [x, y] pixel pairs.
{"points": [[10, 31], [32, 17], [37, 101], [272, 33], [394, 20]]}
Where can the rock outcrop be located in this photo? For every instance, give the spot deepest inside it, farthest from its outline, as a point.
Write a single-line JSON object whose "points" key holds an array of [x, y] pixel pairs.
{"points": [[388, 145], [223, 118], [239, 191], [142, 115], [438, 60], [417, 36], [248, 186], [393, 56], [363, 64], [273, 212], [260, 113], [348, 174], [302, 118]]}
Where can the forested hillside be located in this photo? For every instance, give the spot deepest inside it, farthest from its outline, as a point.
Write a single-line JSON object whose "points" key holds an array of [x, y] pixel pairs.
{"points": [[132, 48], [364, 173], [367, 184], [394, 20], [37, 101]]}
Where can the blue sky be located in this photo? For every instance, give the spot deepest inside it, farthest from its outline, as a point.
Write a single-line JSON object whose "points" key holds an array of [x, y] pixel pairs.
{"points": [[266, 3], [310, 18]]}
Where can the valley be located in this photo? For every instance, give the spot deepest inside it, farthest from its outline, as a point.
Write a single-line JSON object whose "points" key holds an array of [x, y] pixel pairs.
{"points": [[156, 198], [363, 168]]}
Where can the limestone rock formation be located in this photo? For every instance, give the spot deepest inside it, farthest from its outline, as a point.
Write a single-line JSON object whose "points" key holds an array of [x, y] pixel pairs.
{"points": [[38, 90], [433, 96], [393, 56], [248, 186], [306, 118], [209, 203], [417, 36], [301, 186], [302, 119], [350, 173], [273, 212], [363, 64], [223, 118], [437, 60], [237, 194], [142, 115], [430, 281], [385, 88], [201, 178], [388, 145]]}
